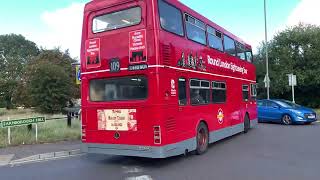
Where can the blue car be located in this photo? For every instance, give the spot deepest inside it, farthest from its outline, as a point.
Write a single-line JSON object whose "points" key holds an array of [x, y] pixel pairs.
{"points": [[285, 112]]}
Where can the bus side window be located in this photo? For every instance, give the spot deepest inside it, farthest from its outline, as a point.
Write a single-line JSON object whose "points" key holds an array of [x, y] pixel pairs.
{"points": [[253, 91], [229, 46], [182, 91], [215, 38], [195, 29], [199, 92], [219, 93], [170, 18], [249, 56], [245, 92], [241, 51]]}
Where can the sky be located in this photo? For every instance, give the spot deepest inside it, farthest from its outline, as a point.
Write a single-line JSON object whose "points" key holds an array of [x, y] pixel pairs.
{"points": [[58, 23]]}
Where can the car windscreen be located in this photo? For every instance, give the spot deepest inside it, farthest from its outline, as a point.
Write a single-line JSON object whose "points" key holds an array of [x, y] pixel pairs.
{"points": [[287, 104], [118, 89], [116, 20]]}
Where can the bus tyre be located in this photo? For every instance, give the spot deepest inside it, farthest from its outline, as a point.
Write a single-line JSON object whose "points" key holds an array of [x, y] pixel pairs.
{"points": [[202, 138], [246, 124]]}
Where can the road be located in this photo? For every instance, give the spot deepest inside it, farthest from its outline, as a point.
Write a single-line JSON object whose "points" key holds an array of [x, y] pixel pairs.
{"points": [[268, 152]]}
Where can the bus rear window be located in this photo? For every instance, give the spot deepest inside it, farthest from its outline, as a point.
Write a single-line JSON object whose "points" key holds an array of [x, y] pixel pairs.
{"points": [[116, 20], [118, 89]]}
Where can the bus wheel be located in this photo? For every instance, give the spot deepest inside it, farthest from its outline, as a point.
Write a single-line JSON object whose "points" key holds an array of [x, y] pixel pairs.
{"points": [[246, 124], [202, 139]]}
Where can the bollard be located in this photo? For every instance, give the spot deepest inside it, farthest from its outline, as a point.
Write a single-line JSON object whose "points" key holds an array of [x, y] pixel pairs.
{"points": [[69, 119]]}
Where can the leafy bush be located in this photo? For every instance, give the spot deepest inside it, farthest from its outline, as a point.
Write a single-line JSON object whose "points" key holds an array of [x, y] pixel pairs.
{"points": [[50, 88]]}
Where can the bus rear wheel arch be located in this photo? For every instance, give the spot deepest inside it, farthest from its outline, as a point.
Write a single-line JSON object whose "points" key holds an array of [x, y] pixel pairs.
{"points": [[202, 138]]}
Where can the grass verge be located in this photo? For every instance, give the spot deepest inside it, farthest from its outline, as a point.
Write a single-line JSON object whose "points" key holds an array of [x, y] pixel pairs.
{"points": [[48, 132]]}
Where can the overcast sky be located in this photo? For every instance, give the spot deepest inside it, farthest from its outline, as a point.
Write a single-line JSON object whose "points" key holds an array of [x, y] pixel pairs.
{"points": [[57, 23]]}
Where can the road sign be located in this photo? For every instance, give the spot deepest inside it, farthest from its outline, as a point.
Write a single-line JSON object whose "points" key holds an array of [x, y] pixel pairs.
{"points": [[78, 75], [292, 80], [292, 83], [21, 122]]}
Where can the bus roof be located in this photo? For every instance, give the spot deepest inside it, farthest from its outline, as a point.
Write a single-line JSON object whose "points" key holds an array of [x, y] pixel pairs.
{"points": [[100, 4]]}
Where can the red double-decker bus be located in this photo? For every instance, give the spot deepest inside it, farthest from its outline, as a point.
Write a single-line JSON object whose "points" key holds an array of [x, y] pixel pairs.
{"points": [[159, 80]]}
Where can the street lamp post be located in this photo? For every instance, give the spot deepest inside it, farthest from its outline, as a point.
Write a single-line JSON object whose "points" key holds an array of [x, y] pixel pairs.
{"points": [[266, 48]]}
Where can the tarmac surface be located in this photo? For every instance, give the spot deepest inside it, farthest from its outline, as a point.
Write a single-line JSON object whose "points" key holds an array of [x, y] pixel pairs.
{"points": [[23, 151], [268, 152]]}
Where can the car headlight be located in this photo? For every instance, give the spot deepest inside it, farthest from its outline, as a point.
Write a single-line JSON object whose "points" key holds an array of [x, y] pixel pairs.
{"points": [[299, 117]]}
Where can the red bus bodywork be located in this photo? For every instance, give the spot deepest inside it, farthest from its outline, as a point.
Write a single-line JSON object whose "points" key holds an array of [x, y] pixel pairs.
{"points": [[162, 127]]}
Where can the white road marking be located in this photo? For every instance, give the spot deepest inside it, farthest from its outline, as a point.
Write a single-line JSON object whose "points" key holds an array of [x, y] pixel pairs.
{"points": [[128, 170], [143, 177], [5, 159]]}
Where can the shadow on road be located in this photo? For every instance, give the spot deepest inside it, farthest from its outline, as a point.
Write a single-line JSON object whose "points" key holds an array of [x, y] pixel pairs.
{"points": [[154, 163]]}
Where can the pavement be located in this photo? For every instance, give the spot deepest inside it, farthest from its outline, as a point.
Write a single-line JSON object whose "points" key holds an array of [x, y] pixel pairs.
{"points": [[23, 151], [268, 152]]}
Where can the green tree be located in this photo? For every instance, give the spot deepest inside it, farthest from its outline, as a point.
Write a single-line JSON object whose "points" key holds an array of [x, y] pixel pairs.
{"points": [[52, 80], [15, 53], [294, 50], [50, 87]]}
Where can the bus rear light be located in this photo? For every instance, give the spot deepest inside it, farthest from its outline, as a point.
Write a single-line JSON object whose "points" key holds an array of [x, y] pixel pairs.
{"points": [[83, 133], [156, 128], [157, 134], [157, 141]]}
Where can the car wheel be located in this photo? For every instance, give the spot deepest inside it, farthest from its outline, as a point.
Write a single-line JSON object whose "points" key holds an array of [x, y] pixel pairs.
{"points": [[308, 123], [202, 139], [246, 124], [286, 119]]}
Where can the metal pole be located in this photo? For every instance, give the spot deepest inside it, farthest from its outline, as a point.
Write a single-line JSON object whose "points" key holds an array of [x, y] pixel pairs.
{"points": [[69, 119], [266, 46], [36, 132], [9, 134], [292, 86]]}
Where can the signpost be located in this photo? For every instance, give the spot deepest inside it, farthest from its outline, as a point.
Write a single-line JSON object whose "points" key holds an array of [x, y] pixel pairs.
{"points": [[292, 83], [21, 122]]}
